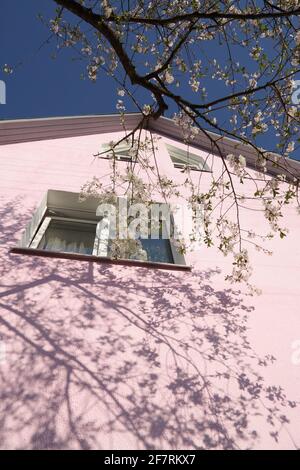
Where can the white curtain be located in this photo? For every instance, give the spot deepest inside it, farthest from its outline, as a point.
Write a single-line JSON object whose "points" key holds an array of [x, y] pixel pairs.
{"points": [[68, 240]]}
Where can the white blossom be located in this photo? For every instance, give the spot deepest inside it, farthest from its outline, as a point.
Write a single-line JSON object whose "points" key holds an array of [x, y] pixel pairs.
{"points": [[146, 109], [169, 77], [238, 164], [7, 69]]}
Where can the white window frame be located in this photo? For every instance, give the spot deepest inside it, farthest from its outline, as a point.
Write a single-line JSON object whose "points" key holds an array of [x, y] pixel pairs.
{"points": [[45, 224], [119, 151], [178, 257], [185, 156], [55, 201]]}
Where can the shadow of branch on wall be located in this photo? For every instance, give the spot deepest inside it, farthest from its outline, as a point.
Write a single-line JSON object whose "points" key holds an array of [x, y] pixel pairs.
{"points": [[119, 357]]}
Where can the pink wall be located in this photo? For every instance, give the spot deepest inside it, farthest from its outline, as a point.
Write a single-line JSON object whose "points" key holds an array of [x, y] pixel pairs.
{"points": [[101, 356]]}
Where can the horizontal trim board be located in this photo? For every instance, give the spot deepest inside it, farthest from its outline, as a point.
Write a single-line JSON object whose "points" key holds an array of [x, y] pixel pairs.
{"points": [[99, 259], [64, 119], [60, 125], [12, 132]]}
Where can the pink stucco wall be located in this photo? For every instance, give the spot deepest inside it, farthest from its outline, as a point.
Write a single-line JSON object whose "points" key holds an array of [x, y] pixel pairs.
{"points": [[101, 356]]}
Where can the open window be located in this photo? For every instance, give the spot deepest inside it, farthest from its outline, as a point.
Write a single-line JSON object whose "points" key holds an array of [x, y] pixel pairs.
{"points": [[66, 227], [184, 159], [122, 152], [65, 235]]}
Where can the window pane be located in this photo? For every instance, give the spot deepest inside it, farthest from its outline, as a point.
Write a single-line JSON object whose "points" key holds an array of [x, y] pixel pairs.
{"points": [[183, 157], [158, 250], [121, 151], [68, 236]]}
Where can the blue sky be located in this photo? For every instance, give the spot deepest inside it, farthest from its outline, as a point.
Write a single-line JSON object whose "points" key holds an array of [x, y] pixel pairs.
{"points": [[39, 85]]}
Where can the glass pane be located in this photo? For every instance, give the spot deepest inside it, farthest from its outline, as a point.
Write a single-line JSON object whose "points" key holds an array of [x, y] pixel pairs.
{"points": [[158, 250], [121, 151], [68, 236], [179, 156]]}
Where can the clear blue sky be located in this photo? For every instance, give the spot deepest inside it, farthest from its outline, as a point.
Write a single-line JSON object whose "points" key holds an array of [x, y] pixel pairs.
{"points": [[39, 85]]}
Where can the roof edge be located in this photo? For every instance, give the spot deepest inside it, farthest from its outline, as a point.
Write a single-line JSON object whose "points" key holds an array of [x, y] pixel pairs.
{"points": [[36, 129]]}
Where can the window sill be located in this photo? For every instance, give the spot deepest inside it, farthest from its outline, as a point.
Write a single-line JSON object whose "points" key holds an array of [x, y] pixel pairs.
{"points": [[99, 259]]}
